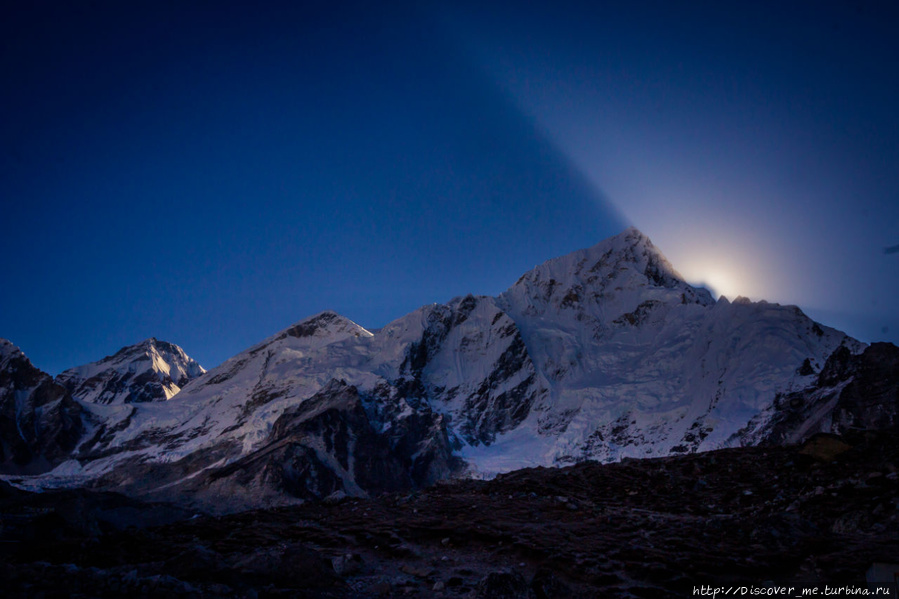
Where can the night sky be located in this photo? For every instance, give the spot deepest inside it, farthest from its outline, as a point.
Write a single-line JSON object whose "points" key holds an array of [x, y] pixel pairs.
{"points": [[210, 172]]}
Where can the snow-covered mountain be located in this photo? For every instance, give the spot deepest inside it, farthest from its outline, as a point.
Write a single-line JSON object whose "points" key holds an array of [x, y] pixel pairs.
{"points": [[151, 370], [640, 364], [602, 354]]}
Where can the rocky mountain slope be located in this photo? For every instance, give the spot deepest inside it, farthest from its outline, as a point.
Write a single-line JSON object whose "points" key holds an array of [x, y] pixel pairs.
{"points": [[40, 423], [603, 354], [803, 516]]}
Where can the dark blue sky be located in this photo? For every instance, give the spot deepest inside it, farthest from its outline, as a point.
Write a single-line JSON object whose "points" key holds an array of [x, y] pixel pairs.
{"points": [[210, 172]]}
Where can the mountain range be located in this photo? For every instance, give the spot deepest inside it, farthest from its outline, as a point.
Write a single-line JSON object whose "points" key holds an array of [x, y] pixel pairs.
{"points": [[603, 354]]}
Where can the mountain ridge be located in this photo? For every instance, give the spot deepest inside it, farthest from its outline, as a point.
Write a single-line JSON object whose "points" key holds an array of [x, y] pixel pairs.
{"points": [[603, 354]]}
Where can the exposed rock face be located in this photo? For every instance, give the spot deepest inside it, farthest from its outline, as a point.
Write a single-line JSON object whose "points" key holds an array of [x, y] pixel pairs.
{"points": [[40, 423], [852, 392], [152, 370], [870, 400], [331, 445], [471, 362]]}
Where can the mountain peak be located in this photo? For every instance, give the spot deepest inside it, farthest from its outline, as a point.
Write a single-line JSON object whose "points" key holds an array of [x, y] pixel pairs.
{"points": [[633, 245], [613, 276], [10, 353], [633, 236], [324, 324], [151, 370], [8, 349]]}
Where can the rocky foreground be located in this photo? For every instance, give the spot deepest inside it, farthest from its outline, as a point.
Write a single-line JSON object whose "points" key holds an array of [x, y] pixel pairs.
{"points": [[818, 513]]}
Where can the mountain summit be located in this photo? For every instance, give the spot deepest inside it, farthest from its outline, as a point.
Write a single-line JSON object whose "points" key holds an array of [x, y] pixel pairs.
{"points": [[603, 354], [622, 268], [151, 370]]}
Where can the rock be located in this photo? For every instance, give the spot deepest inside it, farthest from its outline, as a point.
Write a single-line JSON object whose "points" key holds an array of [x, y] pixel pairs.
{"points": [[380, 588], [285, 565], [503, 585], [546, 585], [346, 565], [824, 447], [336, 497], [416, 571]]}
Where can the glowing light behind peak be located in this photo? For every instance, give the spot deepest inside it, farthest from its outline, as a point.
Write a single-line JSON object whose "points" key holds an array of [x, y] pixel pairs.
{"points": [[768, 178], [718, 280], [724, 262]]}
